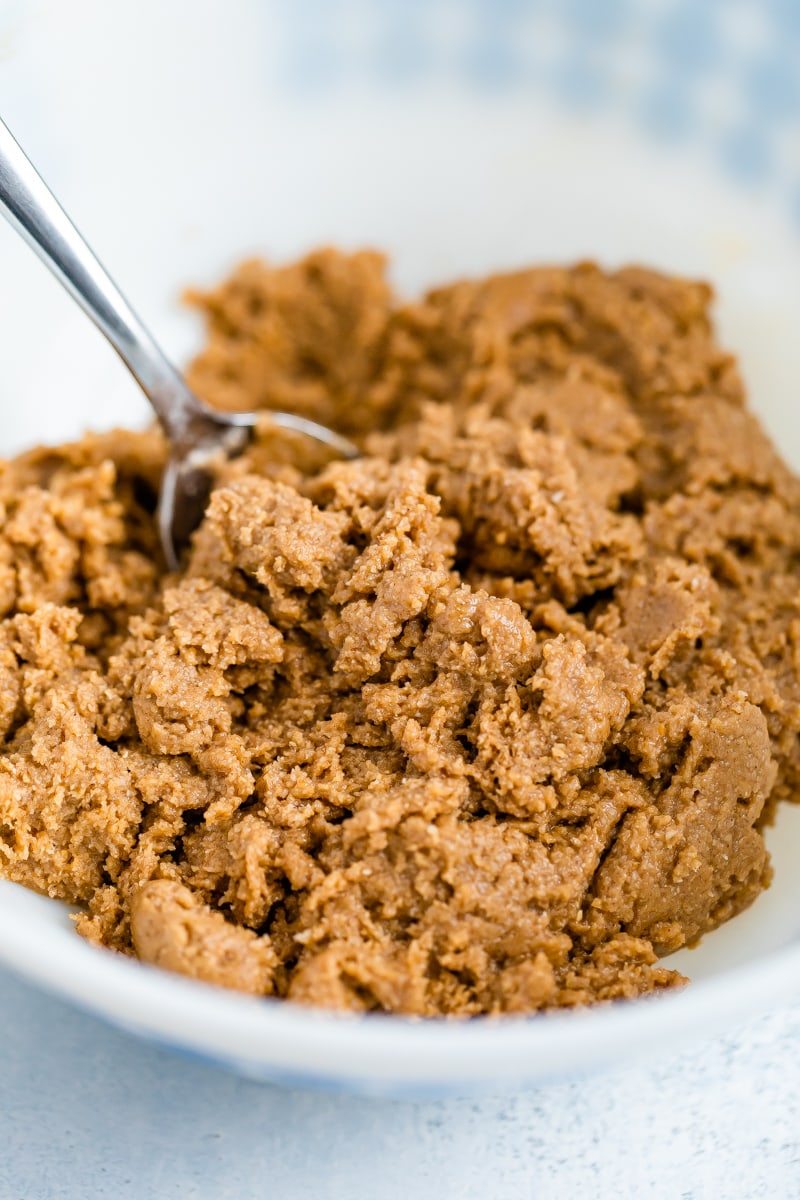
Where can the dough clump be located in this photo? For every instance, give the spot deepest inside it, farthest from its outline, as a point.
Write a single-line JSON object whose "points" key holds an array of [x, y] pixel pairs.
{"points": [[486, 721]]}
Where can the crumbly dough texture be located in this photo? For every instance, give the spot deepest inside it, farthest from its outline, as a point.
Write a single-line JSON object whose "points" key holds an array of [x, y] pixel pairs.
{"points": [[486, 721]]}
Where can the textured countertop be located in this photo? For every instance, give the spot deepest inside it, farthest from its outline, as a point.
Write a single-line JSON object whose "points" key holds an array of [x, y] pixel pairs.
{"points": [[88, 1113]]}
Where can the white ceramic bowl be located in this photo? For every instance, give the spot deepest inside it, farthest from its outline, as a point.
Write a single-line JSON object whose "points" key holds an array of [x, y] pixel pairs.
{"points": [[460, 138]]}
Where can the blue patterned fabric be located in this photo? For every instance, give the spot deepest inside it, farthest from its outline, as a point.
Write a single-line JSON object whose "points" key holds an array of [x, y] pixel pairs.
{"points": [[724, 74]]}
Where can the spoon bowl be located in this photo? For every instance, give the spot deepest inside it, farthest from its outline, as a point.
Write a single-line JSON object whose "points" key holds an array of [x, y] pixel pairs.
{"points": [[190, 469]]}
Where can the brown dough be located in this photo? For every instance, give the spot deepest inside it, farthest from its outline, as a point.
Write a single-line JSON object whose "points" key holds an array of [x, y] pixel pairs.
{"points": [[485, 721]]}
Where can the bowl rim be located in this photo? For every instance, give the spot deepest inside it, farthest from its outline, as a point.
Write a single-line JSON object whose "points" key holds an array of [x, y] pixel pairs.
{"points": [[284, 1042]]}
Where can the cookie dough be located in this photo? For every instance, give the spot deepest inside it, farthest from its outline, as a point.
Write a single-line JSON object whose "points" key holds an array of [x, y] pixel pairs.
{"points": [[486, 721]]}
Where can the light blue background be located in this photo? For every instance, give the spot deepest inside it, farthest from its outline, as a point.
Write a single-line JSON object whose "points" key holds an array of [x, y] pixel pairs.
{"points": [[92, 1114], [723, 75]]}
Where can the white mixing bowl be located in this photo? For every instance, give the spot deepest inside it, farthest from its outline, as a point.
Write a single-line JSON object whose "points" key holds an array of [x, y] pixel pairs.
{"points": [[461, 138]]}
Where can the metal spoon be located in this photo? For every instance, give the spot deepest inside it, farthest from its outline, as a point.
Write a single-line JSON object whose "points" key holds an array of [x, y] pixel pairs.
{"points": [[197, 434]]}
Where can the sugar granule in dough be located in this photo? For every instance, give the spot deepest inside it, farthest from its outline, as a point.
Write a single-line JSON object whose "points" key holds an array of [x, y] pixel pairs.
{"points": [[488, 720]]}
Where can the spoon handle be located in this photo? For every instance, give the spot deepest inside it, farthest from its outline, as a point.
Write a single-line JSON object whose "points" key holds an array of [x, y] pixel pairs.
{"points": [[33, 210]]}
